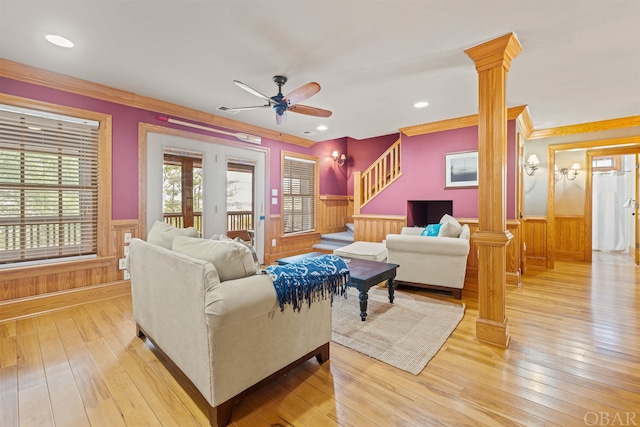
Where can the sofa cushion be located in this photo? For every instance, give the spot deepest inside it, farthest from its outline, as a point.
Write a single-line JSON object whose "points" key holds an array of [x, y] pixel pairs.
{"points": [[162, 234], [371, 251], [231, 259], [451, 227], [431, 230]]}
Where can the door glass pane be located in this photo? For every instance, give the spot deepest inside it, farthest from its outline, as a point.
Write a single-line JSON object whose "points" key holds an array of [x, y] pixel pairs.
{"points": [[240, 197], [182, 188]]}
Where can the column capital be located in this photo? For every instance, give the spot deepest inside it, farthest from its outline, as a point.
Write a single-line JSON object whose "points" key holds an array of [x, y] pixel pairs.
{"points": [[492, 238], [495, 53]]}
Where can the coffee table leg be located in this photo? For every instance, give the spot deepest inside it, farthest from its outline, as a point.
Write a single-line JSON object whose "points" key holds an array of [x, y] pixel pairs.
{"points": [[390, 285], [364, 298]]}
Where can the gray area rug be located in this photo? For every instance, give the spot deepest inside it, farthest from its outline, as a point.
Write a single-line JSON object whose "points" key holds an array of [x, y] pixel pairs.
{"points": [[405, 334]]}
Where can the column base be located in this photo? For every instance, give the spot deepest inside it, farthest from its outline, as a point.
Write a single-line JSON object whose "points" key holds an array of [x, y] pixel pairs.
{"points": [[493, 332]]}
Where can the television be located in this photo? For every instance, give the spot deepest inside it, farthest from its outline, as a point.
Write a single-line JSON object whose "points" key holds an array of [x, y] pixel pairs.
{"points": [[421, 213]]}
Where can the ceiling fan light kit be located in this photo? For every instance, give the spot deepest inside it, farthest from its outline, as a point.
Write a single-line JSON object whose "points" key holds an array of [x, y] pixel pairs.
{"points": [[281, 103]]}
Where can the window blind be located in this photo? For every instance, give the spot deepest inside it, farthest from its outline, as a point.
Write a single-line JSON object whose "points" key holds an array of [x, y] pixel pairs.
{"points": [[298, 194], [48, 187]]}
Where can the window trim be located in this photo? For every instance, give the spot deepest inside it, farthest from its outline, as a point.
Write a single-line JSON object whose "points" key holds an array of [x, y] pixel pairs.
{"points": [[316, 190], [615, 163], [103, 236]]}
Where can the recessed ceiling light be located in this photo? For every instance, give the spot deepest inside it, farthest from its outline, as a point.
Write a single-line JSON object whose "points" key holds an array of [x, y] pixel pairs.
{"points": [[58, 40], [322, 127], [421, 104]]}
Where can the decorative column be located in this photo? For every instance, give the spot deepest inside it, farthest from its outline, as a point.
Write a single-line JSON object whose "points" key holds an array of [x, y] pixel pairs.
{"points": [[492, 60]]}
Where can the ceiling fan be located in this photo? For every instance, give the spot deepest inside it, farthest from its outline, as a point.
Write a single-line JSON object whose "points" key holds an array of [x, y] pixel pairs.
{"points": [[281, 103]]}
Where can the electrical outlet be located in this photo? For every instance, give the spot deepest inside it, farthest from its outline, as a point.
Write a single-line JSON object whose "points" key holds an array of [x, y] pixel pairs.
{"points": [[127, 237], [273, 242], [126, 250], [122, 263], [127, 276]]}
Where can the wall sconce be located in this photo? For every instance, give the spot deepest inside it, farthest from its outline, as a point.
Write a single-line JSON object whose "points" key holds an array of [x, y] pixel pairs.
{"points": [[532, 165], [567, 173], [338, 159]]}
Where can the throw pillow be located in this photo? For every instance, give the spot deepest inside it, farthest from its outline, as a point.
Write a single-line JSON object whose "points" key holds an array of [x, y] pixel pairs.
{"points": [[162, 234], [219, 237], [431, 230], [253, 252], [453, 229], [231, 259]]}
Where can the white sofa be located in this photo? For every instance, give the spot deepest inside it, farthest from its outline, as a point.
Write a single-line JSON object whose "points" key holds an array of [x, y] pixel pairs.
{"points": [[226, 337], [430, 262]]}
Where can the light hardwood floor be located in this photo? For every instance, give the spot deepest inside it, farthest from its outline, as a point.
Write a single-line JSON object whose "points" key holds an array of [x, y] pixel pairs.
{"points": [[575, 353]]}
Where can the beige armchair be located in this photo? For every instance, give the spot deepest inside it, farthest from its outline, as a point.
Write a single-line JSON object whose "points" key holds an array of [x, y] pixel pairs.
{"points": [[430, 262], [225, 337]]}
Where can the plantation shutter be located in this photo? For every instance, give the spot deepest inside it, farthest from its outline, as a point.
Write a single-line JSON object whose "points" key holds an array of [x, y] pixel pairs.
{"points": [[298, 194], [48, 186]]}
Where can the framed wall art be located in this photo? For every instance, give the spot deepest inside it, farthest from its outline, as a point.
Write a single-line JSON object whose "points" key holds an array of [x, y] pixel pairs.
{"points": [[461, 169]]}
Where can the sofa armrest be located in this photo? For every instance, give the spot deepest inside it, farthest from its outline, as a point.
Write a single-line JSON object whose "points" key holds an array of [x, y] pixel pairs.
{"points": [[235, 301], [168, 293], [427, 245]]}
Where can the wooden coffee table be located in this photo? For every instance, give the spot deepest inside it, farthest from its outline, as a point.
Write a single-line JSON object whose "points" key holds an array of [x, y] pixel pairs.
{"points": [[363, 275]]}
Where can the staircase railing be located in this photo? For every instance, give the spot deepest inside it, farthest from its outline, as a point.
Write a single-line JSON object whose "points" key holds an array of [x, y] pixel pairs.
{"points": [[377, 177]]}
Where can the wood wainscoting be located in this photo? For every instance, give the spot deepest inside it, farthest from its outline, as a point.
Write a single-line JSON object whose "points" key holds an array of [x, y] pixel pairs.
{"points": [[512, 255], [374, 228], [38, 280], [534, 236], [569, 237], [333, 213], [28, 290], [286, 245]]}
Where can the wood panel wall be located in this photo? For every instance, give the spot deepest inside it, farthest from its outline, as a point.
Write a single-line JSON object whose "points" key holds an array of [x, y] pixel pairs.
{"points": [[534, 236], [570, 237], [286, 245], [333, 213], [512, 255], [37, 288], [22, 282], [374, 228]]}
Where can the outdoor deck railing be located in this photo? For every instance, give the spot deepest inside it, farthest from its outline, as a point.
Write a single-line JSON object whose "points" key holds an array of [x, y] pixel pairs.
{"points": [[239, 220]]}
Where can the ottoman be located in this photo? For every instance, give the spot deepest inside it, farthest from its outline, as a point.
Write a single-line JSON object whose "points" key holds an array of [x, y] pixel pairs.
{"points": [[370, 251]]}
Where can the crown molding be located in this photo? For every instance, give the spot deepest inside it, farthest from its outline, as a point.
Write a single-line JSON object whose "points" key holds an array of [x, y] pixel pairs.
{"points": [[602, 125], [457, 123]]}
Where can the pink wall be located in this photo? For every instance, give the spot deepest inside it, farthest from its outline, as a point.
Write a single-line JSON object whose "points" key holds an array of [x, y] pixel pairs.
{"points": [[333, 178], [423, 175], [125, 141], [363, 152]]}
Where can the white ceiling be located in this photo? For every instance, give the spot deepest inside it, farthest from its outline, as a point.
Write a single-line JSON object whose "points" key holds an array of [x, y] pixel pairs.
{"points": [[374, 59]]}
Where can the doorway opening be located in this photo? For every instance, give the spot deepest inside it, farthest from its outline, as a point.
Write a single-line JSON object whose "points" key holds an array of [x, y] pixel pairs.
{"points": [[612, 199]]}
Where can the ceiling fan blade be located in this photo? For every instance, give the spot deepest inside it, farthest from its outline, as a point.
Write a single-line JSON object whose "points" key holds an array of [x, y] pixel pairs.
{"points": [[302, 93], [247, 108], [310, 111], [252, 90], [281, 118]]}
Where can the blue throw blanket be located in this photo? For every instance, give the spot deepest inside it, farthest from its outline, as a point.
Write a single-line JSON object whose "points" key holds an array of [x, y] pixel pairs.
{"points": [[310, 279]]}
